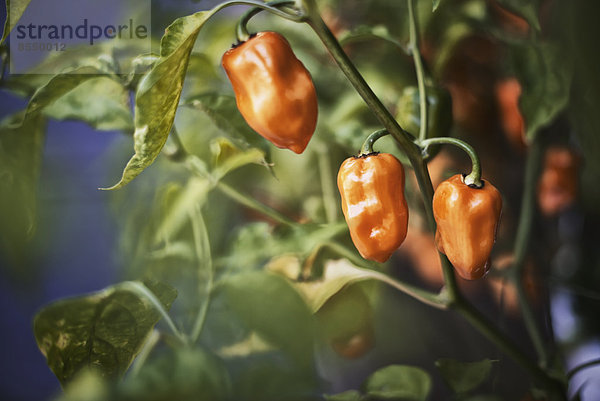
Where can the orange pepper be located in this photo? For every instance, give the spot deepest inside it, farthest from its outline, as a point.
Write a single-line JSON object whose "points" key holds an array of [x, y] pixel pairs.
{"points": [[467, 220], [372, 191], [508, 92], [558, 184], [273, 90]]}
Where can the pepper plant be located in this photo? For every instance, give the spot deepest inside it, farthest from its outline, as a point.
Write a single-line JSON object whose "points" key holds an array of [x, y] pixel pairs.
{"points": [[242, 279]]}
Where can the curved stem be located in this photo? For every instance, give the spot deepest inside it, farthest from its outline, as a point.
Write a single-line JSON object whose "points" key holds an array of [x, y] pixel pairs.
{"points": [[473, 178], [253, 204], [144, 292], [238, 196], [416, 54], [367, 147], [241, 29], [300, 17]]}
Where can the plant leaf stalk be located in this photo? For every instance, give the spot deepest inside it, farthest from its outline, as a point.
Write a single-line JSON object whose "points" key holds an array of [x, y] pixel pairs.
{"points": [[241, 29]]}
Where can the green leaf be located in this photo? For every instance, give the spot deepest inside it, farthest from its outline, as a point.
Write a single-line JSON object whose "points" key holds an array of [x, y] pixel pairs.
{"points": [[158, 94], [58, 86], [398, 382], [337, 275], [464, 376], [20, 158], [14, 11], [101, 102], [546, 77], [268, 304], [223, 111], [350, 395], [102, 331], [185, 374], [436, 4]]}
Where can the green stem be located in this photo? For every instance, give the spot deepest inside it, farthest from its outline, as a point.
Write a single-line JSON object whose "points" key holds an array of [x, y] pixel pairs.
{"points": [[522, 240], [202, 245], [424, 296], [253, 204], [416, 54], [358, 82], [241, 29], [195, 166], [474, 177], [140, 360], [367, 147], [144, 292]]}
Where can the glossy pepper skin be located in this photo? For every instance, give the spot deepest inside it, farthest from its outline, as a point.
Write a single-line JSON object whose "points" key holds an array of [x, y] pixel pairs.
{"points": [[372, 191], [467, 220], [273, 90]]}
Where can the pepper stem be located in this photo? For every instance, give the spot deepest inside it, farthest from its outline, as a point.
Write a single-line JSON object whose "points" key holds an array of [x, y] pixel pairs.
{"points": [[241, 29], [367, 146], [473, 179]]}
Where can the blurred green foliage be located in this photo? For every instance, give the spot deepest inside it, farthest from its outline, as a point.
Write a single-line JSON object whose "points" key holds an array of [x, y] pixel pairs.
{"points": [[259, 294]]}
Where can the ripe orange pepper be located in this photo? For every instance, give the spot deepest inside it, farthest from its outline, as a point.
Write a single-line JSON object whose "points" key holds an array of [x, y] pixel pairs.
{"points": [[372, 191], [273, 90], [508, 92], [558, 184], [467, 220]]}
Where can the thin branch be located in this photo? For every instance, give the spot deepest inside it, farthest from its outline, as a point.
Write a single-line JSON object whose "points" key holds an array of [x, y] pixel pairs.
{"points": [[522, 241], [416, 54]]}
